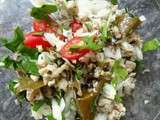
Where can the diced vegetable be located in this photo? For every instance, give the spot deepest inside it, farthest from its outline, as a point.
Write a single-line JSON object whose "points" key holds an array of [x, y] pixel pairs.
{"points": [[66, 53], [33, 41], [75, 25], [44, 26], [118, 72], [151, 45]]}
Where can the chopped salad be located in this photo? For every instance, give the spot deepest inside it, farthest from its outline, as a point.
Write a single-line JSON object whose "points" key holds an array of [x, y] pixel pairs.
{"points": [[79, 61]]}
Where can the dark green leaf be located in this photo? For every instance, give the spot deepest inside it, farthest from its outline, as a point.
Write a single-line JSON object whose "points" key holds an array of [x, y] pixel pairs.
{"points": [[37, 105], [50, 117], [30, 66], [94, 104], [24, 64], [9, 63], [118, 99], [18, 39], [139, 65], [151, 45], [58, 95], [88, 26], [114, 2], [11, 85], [26, 51], [118, 72], [43, 11]]}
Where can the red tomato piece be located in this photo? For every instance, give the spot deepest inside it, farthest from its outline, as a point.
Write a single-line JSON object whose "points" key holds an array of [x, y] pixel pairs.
{"points": [[66, 53], [75, 25], [32, 41], [44, 26]]}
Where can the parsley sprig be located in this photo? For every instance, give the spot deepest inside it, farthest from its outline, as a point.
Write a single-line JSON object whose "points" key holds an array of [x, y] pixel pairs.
{"points": [[119, 73], [42, 12], [26, 57]]}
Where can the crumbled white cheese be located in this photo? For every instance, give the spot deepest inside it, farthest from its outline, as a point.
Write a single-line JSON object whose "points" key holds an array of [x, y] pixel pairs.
{"points": [[109, 91], [54, 41], [57, 109], [95, 8], [110, 52], [100, 116], [142, 18], [146, 102]]}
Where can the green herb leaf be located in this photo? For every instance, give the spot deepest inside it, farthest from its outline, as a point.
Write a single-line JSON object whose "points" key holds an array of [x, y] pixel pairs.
{"points": [[91, 44], [8, 62], [42, 12], [37, 105], [118, 99], [114, 2], [11, 85], [18, 39], [74, 48], [88, 26], [30, 66], [118, 73], [78, 74], [104, 33], [151, 45], [24, 64], [16, 44], [50, 117]]}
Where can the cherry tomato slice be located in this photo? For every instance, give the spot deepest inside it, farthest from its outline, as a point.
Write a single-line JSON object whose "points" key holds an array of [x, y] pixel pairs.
{"points": [[75, 25], [44, 26], [32, 41], [66, 53]]}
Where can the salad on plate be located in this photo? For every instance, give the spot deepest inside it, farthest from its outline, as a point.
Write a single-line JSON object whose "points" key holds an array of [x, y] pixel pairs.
{"points": [[79, 61]]}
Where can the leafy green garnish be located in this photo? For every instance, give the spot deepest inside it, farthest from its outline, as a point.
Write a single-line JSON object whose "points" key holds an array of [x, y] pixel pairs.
{"points": [[16, 44], [24, 64], [42, 12], [114, 2], [30, 66], [11, 85], [118, 73], [78, 74], [26, 57], [88, 26], [139, 65], [50, 117], [151, 45], [104, 33], [37, 105], [118, 99], [91, 44], [87, 43], [75, 47], [58, 95]]}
